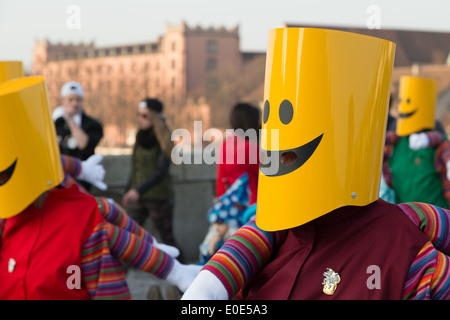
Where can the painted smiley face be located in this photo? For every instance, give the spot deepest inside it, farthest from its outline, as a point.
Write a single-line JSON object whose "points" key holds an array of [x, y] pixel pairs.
{"points": [[289, 160], [6, 174], [404, 115]]}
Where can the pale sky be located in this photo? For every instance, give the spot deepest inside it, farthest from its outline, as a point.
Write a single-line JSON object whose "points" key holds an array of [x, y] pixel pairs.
{"points": [[125, 22]]}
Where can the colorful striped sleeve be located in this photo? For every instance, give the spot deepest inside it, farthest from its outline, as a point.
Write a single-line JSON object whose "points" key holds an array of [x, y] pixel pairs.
{"points": [[139, 253], [432, 220], [441, 159], [115, 214], [243, 255], [103, 274], [429, 274], [71, 165], [101, 255], [435, 138]]}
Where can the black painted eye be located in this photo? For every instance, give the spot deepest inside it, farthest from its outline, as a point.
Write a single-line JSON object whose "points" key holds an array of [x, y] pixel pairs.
{"points": [[286, 111], [408, 101], [266, 111]]}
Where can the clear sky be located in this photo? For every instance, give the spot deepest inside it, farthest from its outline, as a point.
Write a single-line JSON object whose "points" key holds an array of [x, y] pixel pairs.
{"points": [[110, 22]]}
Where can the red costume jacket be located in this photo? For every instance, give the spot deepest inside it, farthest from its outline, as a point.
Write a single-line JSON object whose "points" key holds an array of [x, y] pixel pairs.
{"points": [[38, 258]]}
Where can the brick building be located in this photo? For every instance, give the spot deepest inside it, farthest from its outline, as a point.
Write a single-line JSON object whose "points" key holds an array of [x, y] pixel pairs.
{"points": [[191, 69], [199, 73]]}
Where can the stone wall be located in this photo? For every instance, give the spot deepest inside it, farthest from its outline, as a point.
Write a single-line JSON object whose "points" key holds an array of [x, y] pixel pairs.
{"points": [[194, 193]]}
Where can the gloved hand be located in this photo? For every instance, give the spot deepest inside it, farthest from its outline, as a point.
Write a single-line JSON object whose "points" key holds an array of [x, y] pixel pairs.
{"points": [[182, 275], [170, 250], [418, 141], [206, 286], [93, 172]]}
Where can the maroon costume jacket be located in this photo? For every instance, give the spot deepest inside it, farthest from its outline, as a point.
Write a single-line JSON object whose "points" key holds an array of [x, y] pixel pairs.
{"points": [[353, 241]]}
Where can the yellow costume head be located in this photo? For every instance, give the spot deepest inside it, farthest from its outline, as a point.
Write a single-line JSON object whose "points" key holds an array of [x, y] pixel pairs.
{"points": [[10, 70], [30, 163], [417, 104], [326, 100]]}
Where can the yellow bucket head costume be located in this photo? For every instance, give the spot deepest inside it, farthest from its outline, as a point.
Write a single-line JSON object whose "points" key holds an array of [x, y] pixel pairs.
{"points": [[326, 101], [11, 70], [417, 105], [30, 163]]}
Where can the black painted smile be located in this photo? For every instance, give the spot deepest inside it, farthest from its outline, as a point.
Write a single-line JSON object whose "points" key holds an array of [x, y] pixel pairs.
{"points": [[299, 155], [6, 174], [407, 115]]}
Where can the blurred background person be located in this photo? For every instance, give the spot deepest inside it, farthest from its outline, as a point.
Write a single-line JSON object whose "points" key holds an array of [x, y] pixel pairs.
{"points": [[78, 134], [150, 190], [240, 146]]}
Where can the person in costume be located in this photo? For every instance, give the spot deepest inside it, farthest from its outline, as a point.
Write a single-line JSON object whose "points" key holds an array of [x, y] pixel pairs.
{"points": [[75, 255], [321, 231], [417, 156], [225, 216], [239, 153]]}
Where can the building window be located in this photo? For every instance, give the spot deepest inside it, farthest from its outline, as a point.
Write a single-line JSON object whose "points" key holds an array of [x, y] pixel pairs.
{"points": [[211, 64], [211, 46], [174, 46], [212, 83], [173, 83], [173, 64]]}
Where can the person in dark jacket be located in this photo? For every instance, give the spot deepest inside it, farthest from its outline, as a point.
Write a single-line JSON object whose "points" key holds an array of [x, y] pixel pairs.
{"points": [[78, 134], [150, 192]]}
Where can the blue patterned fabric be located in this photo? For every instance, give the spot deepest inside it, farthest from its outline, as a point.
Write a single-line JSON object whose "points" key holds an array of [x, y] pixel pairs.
{"points": [[231, 205]]}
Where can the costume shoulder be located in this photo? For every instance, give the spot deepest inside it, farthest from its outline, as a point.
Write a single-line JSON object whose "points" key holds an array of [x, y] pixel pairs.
{"points": [[80, 209], [429, 275], [432, 220]]}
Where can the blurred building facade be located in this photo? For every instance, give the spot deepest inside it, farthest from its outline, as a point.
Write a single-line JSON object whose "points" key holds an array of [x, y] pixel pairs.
{"points": [[199, 73], [192, 70]]}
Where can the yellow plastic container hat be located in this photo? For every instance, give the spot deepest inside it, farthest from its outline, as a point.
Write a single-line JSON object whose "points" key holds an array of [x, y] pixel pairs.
{"points": [[30, 163], [11, 70], [417, 105], [326, 100]]}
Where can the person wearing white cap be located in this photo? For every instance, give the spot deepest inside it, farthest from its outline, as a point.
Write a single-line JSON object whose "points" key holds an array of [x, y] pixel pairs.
{"points": [[78, 134]]}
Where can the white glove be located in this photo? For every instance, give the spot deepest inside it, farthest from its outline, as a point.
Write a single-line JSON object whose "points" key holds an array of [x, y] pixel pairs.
{"points": [[182, 275], [418, 141], [170, 250], [93, 172], [206, 286]]}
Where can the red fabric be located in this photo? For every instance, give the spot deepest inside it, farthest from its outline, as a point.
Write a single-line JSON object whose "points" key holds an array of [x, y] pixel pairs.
{"points": [[348, 240], [235, 158], [44, 243]]}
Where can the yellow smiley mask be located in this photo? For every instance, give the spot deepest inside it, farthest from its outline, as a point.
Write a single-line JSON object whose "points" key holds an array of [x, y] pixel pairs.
{"points": [[30, 162], [417, 105], [324, 120], [10, 70]]}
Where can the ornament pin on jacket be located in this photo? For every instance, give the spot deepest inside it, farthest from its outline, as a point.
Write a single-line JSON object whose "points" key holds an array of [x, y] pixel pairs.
{"points": [[330, 281]]}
